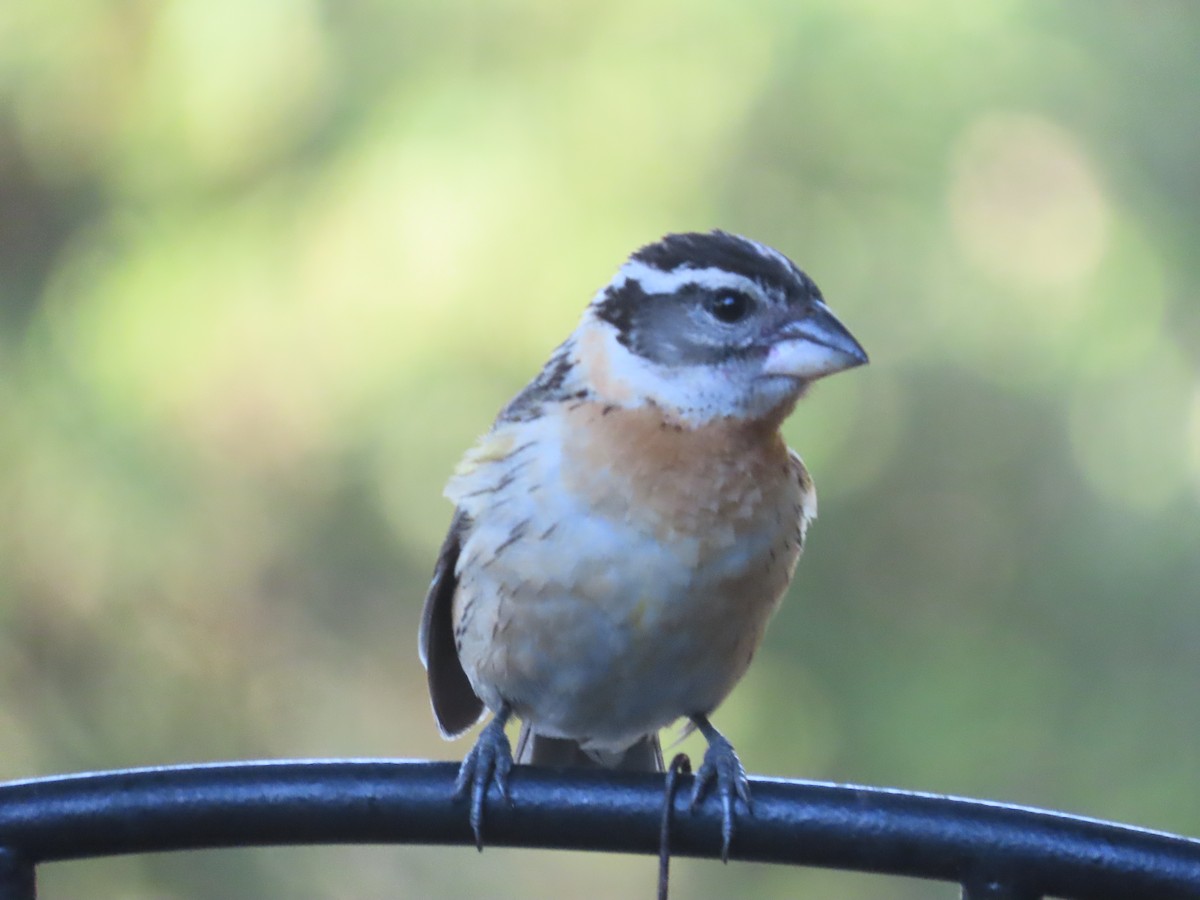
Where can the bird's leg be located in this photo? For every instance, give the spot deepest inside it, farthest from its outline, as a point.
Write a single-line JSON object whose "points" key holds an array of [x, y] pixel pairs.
{"points": [[490, 760], [721, 765]]}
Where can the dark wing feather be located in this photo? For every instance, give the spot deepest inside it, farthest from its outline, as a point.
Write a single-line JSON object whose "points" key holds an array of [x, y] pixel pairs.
{"points": [[454, 702]]}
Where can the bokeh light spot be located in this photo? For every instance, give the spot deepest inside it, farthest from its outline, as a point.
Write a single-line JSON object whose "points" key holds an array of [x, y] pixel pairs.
{"points": [[1026, 203]]}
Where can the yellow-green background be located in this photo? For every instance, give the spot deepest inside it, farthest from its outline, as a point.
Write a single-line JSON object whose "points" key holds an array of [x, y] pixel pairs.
{"points": [[267, 268]]}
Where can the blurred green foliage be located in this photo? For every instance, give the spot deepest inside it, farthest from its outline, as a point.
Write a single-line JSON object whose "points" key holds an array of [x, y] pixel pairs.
{"points": [[266, 269]]}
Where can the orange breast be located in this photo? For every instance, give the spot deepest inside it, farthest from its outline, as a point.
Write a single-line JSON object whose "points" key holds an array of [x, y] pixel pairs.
{"points": [[707, 481]]}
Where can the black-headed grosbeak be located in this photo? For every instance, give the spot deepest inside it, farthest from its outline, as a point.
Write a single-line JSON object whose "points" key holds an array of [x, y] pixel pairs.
{"points": [[632, 519]]}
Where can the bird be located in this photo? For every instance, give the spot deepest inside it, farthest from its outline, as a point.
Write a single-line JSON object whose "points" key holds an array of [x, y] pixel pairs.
{"points": [[631, 521]]}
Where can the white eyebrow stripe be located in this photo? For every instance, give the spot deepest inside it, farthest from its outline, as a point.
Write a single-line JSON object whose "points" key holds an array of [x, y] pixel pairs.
{"points": [[656, 281]]}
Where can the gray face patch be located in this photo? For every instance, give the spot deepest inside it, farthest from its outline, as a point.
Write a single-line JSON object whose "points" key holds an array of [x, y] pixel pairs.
{"points": [[680, 328]]}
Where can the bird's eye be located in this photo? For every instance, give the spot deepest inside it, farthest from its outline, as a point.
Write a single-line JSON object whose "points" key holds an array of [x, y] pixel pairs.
{"points": [[728, 308]]}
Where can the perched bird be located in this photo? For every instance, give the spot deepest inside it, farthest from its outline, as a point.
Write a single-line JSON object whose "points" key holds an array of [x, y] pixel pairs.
{"points": [[632, 519]]}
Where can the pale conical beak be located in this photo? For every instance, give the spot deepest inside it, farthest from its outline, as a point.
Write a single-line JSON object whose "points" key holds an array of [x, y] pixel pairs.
{"points": [[813, 346]]}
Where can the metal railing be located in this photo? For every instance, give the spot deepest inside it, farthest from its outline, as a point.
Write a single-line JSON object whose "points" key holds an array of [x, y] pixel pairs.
{"points": [[993, 850]]}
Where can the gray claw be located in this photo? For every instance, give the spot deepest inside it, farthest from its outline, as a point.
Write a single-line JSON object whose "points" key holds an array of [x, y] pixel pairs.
{"points": [[722, 767], [489, 762]]}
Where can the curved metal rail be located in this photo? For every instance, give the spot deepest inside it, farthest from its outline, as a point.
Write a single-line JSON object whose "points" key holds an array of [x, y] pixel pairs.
{"points": [[993, 850]]}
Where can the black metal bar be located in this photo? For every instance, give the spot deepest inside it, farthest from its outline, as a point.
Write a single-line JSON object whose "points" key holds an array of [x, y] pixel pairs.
{"points": [[16, 877], [365, 801]]}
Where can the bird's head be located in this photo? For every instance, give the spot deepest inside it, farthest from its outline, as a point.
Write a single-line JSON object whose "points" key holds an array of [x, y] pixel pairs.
{"points": [[710, 326]]}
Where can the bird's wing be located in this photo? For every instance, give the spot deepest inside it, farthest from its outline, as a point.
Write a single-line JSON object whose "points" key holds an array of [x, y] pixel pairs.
{"points": [[808, 494], [455, 705]]}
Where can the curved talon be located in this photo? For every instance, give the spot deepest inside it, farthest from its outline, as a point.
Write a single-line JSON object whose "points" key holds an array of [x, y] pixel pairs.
{"points": [[490, 761], [722, 767]]}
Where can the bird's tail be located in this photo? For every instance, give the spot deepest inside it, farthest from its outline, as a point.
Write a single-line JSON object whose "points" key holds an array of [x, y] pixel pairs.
{"points": [[539, 750]]}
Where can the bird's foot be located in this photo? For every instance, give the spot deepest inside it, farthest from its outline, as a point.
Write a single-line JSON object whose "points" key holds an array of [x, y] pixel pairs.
{"points": [[489, 762], [722, 768]]}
